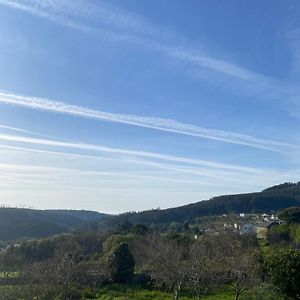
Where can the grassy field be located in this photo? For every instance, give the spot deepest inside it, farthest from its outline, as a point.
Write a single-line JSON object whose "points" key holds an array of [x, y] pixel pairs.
{"points": [[126, 293], [119, 292]]}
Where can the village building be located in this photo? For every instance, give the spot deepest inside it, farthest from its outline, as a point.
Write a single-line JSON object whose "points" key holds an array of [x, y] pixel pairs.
{"points": [[248, 228], [263, 227]]}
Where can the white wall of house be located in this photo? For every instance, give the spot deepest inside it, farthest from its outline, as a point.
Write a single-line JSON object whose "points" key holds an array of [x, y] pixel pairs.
{"points": [[248, 228]]}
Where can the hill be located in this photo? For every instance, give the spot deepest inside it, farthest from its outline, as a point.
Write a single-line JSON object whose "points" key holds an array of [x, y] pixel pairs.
{"points": [[270, 200], [16, 223]]}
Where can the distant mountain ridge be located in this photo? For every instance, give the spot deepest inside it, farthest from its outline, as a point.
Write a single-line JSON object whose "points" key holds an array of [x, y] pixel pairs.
{"points": [[269, 200], [16, 223]]}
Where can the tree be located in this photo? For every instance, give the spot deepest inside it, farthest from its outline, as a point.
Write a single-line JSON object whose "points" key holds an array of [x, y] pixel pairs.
{"points": [[283, 269], [139, 229], [279, 234], [121, 264], [290, 215], [244, 272], [169, 263], [124, 227], [241, 261], [204, 264]]}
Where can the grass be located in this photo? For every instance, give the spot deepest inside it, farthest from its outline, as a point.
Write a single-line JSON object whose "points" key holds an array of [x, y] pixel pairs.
{"points": [[119, 292], [123, 292]]}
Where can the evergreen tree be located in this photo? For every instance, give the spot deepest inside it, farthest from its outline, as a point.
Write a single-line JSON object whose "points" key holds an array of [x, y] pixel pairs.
{"points": [[121, 264]]}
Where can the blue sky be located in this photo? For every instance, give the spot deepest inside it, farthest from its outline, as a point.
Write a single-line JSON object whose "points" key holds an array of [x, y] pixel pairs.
{"points": [[131, 105]]}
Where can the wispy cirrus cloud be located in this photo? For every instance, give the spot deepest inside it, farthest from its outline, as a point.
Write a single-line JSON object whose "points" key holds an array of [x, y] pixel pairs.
{"points": [[168, 125], [15, 129], [206, 173], [6, 128], [124, 152], [29, 173], [222, 174], [107, 21], [104, 14]]}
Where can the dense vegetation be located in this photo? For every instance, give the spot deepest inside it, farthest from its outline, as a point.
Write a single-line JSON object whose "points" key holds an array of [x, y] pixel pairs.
{"points": [[136, 262], [270, 200], [17, 223], [173, 258], [289, 232]]}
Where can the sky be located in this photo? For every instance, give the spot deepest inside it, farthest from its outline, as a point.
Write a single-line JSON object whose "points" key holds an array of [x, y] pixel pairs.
{"points": [[126, 105]]}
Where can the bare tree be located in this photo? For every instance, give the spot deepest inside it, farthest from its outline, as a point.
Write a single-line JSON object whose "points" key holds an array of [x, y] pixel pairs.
{"points": [[169, 263], [204, 265], [241, 262]]}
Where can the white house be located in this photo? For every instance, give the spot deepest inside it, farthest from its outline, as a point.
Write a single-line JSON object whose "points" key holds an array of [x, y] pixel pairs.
{"points": [[248, 228]]}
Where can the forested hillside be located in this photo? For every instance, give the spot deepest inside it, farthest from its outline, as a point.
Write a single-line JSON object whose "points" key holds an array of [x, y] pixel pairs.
{"points": [[136, 260], [17, 223], [272, 199]]}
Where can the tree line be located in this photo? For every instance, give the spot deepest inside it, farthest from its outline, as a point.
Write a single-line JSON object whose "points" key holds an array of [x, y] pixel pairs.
{"points": [[76, 266]]}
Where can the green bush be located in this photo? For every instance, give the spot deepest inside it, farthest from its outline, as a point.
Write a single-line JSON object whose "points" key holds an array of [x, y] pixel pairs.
{"points": [[120, 264], [283, 269], [116, 239]]}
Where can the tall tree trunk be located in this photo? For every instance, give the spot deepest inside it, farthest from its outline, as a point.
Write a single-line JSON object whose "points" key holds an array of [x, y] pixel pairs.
{"points": [[177, 291]]}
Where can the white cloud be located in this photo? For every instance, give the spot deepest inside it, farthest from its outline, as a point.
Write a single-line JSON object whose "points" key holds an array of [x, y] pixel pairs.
{"points": [[106, 21], [168, 125], [14, 129], [207, 172], [123, 152]]}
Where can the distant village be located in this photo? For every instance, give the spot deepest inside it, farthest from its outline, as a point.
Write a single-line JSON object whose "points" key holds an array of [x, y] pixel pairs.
{"points": [[245, 224]]}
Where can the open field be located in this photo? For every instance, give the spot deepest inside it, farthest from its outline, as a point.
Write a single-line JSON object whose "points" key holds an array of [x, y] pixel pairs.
{"points": [[120, 292]]}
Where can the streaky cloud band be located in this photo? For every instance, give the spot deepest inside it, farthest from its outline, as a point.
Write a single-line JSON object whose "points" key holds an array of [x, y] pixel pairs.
{"points": [[126, 152], [126, 26], [157, 123]]}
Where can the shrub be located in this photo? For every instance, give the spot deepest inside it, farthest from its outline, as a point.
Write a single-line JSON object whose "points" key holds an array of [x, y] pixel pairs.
{"points": [[120, 264], [283, 268]]}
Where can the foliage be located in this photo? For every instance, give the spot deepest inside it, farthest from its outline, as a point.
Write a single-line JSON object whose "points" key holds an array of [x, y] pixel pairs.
{"points": [[212, 267], [290, 215], [114, 240], [83, 246], [284, 234], [16, 223], [279, 234], [270, 200], [120, 264], [283, 269], [219, 264]]}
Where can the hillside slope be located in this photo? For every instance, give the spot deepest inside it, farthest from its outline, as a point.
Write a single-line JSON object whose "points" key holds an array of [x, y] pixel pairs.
{"points": [[16, 223], [272, 199]]}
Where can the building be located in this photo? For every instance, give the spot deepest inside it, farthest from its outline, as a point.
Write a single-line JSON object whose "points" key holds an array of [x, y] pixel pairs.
{"points": [[248, 228], [263, 227]]}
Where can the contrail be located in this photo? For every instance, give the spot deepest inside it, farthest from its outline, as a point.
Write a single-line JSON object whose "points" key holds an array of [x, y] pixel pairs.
{"points": [[208, 169], [45, 172], [117, 24], [16, 129], [161, 124], [120, 151], [242, 175]]}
